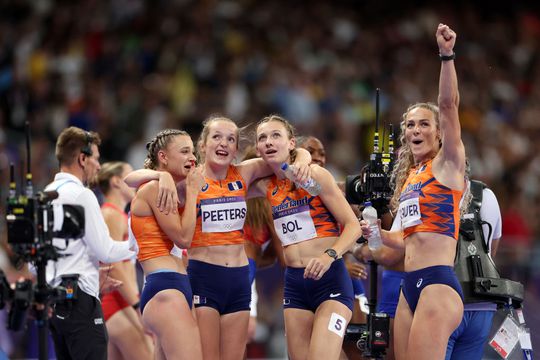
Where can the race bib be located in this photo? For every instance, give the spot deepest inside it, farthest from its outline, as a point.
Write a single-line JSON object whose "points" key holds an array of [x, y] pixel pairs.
{"points": [[294, 225], [409, 210], [223, 214]]}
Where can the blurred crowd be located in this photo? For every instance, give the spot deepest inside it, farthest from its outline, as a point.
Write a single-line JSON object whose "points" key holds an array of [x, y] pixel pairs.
{"points": [[129, 68]]}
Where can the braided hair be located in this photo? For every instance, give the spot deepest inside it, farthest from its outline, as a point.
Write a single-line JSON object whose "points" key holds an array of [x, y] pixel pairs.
{"points": [[158, 143]]}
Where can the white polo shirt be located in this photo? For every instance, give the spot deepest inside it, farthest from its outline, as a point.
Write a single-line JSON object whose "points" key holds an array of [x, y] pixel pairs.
{"points": [[83, 255]]}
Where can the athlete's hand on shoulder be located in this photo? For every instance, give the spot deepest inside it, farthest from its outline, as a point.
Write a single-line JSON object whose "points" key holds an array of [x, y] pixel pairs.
{"points": [[167, 195], [301, 172], [195, 180], [317, 267]]}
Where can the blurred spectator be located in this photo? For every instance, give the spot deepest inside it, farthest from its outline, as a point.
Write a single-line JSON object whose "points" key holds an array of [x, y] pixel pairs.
{"points": [[125, 68]]}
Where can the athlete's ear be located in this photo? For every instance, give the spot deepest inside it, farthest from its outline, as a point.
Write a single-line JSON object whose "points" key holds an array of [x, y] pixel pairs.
{"points": [[115, 181], [292, 143]]}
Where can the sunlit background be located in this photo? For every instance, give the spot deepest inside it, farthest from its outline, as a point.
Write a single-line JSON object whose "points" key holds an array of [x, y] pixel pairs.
{"points": [[128, 68]]}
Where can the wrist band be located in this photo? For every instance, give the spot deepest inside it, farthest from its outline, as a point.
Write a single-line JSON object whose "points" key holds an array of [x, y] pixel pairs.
{"points": [[447, 57]]}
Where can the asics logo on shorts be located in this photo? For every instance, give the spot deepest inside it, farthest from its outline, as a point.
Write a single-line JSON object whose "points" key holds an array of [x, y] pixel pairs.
{"points": [[419, 282]]}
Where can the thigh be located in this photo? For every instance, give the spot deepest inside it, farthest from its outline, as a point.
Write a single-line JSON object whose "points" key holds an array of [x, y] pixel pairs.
{"points": [[298, 328], [209, 326], [452, 340], [169, 317], [438, 314], [113, 352], [331, 319], [233, 335], [128, 336], [402, 328]]}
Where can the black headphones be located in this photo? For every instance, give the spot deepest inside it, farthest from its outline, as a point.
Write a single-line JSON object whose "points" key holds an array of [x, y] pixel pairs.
{"points": [[87, 149]]}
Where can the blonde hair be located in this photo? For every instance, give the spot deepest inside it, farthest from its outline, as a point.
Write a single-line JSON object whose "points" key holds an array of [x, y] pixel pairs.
{"points": [[405, 161], [107, 172], [206, 130], [158, 143]]}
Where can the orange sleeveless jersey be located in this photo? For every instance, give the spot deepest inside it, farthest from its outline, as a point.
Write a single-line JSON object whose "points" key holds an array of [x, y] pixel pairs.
{"points": [[152, 241], [439, 205], [221, 205], [285, 201]]}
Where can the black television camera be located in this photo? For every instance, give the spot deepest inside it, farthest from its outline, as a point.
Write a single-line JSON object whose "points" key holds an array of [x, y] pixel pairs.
{"points": [[373, 184], [32, 223], [373, 181]]}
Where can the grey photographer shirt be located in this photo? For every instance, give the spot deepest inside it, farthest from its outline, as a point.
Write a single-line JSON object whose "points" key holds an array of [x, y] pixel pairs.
{"points": [[83, 255]]}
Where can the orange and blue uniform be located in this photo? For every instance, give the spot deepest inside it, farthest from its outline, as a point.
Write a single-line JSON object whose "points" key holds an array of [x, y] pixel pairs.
{"points": [[153, 243], [299, 216], [114, 301], [221, 212], [426, 205]]}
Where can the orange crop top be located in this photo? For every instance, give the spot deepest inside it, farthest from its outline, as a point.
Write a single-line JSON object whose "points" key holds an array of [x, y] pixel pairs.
{"points": [[297, 215], [426, 205], [152, 241], [221, 211]]}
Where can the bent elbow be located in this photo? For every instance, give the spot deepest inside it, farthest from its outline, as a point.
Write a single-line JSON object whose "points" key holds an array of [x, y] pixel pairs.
{"points": [[183, 242]]}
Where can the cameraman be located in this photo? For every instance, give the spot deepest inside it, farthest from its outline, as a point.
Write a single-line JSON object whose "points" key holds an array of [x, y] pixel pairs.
{"points": [[77, 325], [467, 341]]}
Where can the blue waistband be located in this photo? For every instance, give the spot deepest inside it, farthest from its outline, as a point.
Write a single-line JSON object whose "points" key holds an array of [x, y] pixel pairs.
{"points": [[161, 271]]}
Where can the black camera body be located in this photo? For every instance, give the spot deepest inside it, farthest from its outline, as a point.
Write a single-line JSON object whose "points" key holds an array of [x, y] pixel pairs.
{"points": [[376, 338], [32, 223], [373, 183]]}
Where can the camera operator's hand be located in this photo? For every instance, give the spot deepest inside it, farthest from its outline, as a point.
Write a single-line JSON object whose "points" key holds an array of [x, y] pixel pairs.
{"points": [[107, 283], [38, 307], [317, 267], [356, 270], [167, 200], [362, 252]]}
